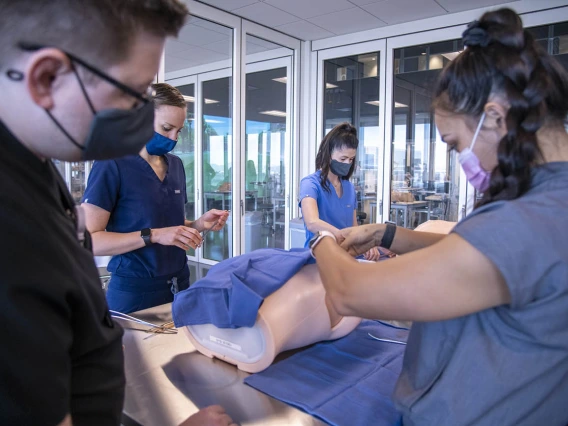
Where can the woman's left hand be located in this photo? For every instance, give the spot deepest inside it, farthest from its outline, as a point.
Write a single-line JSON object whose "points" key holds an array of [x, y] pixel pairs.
{"points": [[373, 254], [212, 217]]}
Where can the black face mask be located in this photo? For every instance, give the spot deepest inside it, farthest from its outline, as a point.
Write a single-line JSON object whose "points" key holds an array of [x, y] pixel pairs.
{"points": [[340, 169], [114, 132]]}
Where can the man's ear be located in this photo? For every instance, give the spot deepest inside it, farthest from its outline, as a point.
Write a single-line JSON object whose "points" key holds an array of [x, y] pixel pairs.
{"points": [[45, 68]]}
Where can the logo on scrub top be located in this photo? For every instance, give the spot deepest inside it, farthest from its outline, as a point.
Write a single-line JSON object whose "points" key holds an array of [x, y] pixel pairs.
{"points": [[177, 191]]}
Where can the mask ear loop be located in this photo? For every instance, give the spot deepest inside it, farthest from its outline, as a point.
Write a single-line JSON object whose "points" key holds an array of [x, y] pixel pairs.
{"points": [[477, 131], [15, 75], [87, 98], [59, 125]]}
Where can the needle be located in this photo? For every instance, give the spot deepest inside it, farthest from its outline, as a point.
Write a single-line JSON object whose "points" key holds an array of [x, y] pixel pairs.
{"points": [[209, 230], [398, 342]]}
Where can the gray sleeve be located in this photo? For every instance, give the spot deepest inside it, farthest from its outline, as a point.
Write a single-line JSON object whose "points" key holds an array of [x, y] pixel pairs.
{"points": [[508, 236]]}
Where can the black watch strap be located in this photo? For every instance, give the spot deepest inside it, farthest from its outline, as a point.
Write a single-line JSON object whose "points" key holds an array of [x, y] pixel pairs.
{"points": [[146, 234], [388, 236]]}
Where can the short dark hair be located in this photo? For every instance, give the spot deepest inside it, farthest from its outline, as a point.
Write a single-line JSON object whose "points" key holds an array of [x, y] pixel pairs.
{"points": [[343, 135], [503, 58], [98, 31], [165, 94]]}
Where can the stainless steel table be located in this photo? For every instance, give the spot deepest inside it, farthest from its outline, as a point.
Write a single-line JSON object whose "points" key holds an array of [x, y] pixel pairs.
{"points": [[408, 208], [167, 380]]}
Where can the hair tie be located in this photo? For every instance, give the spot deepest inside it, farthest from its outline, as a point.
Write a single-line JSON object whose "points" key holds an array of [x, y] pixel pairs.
{"points": [[475, 35]]}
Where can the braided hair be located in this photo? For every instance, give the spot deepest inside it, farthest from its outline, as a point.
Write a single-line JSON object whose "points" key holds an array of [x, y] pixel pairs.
{"points": [[343, 135], [502, 58]]}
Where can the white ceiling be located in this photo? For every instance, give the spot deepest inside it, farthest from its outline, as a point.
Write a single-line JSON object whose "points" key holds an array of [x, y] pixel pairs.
{"points": [[317, 19], [203, 42]]}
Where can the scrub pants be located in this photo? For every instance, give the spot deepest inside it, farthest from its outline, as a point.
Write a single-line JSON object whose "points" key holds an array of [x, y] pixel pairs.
{"points": [[131, 294]]}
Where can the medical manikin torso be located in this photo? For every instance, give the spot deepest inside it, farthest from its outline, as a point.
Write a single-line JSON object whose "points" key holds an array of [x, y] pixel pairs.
{"points": [[294, 316]]}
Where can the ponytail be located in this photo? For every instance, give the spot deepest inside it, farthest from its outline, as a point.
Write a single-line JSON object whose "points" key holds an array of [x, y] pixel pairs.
{"points": [[343, 135]]}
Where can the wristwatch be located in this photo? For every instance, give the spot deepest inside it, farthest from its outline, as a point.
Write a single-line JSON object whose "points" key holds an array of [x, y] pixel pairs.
{"points": [[145, 234], [320, 235]]}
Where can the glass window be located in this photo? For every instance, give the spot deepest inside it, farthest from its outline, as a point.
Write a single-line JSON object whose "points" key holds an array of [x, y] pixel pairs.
{"points": [[185, 149], [352, 94], [266, 145], [78, 181], [425, 177], [201, 48], [200, 43], [217, 155], [554, 39], [60, 166]]}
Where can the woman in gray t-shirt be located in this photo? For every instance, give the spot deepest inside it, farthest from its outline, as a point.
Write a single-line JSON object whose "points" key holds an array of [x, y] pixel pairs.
{"points": [[489, 344]]}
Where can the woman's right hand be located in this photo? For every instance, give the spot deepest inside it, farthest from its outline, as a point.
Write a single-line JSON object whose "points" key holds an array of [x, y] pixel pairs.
{"points": [[360, 239], [179, 236]]}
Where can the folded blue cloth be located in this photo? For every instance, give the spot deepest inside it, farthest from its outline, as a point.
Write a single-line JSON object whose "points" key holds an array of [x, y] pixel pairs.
{"points": [[348, 382], [233, 290]]}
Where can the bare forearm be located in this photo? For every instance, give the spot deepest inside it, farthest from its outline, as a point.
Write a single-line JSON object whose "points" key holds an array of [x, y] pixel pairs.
{"points": [[113, 243], [415, 287], [406, 240], [334, 265], [318, 225]]}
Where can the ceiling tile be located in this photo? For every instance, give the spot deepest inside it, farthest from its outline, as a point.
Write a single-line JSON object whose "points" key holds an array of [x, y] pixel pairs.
{"points": [[174, 46], [264, 43], [213, 26], [305, 30], [461, 5], [199, 55], [221, 47], [193, 34], [265, 14], [255, 48], [363, 2], [172, 63], [347, 21], [309, 8], [229, 4], [399, 11]]}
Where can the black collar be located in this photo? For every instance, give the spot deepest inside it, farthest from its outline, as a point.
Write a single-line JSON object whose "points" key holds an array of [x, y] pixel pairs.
{"points": [[41, 174], [14, 150]]}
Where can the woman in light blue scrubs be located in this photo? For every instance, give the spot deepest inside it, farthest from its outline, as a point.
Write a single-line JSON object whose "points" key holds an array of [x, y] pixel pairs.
{"points": [[327, 198], [135, 211]]}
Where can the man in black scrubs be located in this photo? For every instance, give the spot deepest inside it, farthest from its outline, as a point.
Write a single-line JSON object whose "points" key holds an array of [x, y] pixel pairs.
{"points": [[74, 76]]}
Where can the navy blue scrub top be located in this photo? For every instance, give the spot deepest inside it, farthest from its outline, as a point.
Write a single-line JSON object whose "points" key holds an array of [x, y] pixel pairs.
{"points": [[332, 209], [131, 191]]}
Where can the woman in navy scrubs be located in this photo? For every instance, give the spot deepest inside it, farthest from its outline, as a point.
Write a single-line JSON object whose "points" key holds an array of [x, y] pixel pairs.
{"points": [[135, 211], [327, 198]]}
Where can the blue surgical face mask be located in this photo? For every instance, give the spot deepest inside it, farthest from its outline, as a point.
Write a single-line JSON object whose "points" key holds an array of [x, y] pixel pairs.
{"points": [[160, 145]]}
